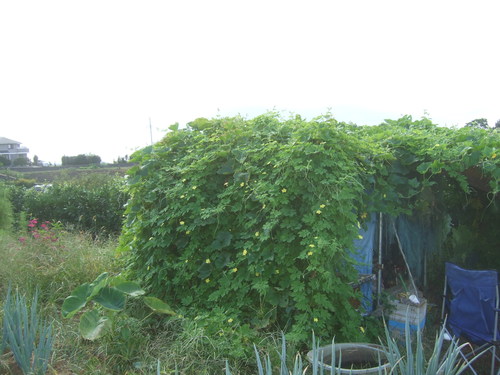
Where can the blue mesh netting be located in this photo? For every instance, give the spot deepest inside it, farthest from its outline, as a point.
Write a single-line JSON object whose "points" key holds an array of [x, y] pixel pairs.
{"points": [[419, 237]]}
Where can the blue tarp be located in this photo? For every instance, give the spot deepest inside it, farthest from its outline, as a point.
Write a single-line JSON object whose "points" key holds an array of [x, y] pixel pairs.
{"points": [[363, 254]]}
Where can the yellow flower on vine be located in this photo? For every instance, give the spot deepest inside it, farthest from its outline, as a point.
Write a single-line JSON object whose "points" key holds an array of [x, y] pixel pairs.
{"points": [[316, 320], [283, 190], [360, 236], [312, 245], [242, 184], [257, 274], [309, 253], [318, 212], [188, 232], [183, 196], [362, 329], [230, 320], [235, 269], [184, 180], [257, 234], [194, 187], [207, 280], [277, 272], [322, 206], [181, 223], [493, 156], [364, 215], [245, 252], [207, 261]]}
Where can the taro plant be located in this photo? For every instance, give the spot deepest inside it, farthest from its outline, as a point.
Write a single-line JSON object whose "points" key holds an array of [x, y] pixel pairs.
{"points": [[28, 337], [108, 295]]}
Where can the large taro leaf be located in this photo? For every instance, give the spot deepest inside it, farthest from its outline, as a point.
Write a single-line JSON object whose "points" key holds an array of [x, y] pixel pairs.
{"points": [[158, 306], [130, 288], [92, 325], [100, 282], [111, 298], [76, 301]]}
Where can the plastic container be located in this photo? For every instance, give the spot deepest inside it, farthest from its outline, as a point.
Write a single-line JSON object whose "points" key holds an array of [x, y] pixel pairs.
{"points": [[357, 358], [414, 313]]}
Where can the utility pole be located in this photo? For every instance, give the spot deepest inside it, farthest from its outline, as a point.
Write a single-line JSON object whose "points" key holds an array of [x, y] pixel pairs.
{"points": [[150, 131]]}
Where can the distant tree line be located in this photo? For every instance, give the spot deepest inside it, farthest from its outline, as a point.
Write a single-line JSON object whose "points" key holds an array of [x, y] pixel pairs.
{"points": [[481, 123], [18, 162], [81, 159]]}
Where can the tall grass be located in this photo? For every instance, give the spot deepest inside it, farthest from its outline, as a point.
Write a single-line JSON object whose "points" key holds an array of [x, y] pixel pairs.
{"points": [[54, 266]]}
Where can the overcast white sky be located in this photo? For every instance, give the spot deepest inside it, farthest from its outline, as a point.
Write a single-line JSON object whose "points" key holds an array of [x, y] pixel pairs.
{"points": [[86, 76]]}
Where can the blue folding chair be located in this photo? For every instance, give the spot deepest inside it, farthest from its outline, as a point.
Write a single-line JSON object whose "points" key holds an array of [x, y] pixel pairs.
{"points": [[471, 306]]}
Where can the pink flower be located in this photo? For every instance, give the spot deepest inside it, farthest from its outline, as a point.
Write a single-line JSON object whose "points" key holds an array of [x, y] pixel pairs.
{"points": [[22, 239]]}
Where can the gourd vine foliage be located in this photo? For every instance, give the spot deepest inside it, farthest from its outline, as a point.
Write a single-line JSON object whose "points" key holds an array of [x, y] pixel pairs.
{"points": [[259, 216], [431, 164]]}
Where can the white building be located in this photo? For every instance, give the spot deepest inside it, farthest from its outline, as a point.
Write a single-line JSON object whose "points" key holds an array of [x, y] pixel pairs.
{"points": [[12, 150]]}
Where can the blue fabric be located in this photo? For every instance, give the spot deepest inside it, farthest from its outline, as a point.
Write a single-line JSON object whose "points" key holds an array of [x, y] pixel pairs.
{"points": [[363, 254], [472, 303], [401, 326]]}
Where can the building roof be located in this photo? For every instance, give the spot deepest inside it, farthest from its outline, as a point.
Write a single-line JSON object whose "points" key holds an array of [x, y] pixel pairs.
{"points": [[7, 141]]}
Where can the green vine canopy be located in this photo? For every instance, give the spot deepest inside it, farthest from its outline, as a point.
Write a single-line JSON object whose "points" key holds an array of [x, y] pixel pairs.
{"points": [[258, 216]]}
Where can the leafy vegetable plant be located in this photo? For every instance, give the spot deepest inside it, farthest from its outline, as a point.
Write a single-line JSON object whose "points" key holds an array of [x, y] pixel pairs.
{"points": [[108, 295]]}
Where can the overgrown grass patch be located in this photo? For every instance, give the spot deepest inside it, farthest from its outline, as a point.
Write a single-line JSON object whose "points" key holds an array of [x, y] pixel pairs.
{"points": [[55, 265]]}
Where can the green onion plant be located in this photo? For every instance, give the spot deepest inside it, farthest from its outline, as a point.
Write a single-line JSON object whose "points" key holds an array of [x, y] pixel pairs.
{"points": [[29, 338]]}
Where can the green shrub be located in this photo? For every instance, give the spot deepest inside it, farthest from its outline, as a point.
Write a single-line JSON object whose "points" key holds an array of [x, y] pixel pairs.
{"points": [[81, 159], [94, 203], [6, 216], [256, 217]]}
